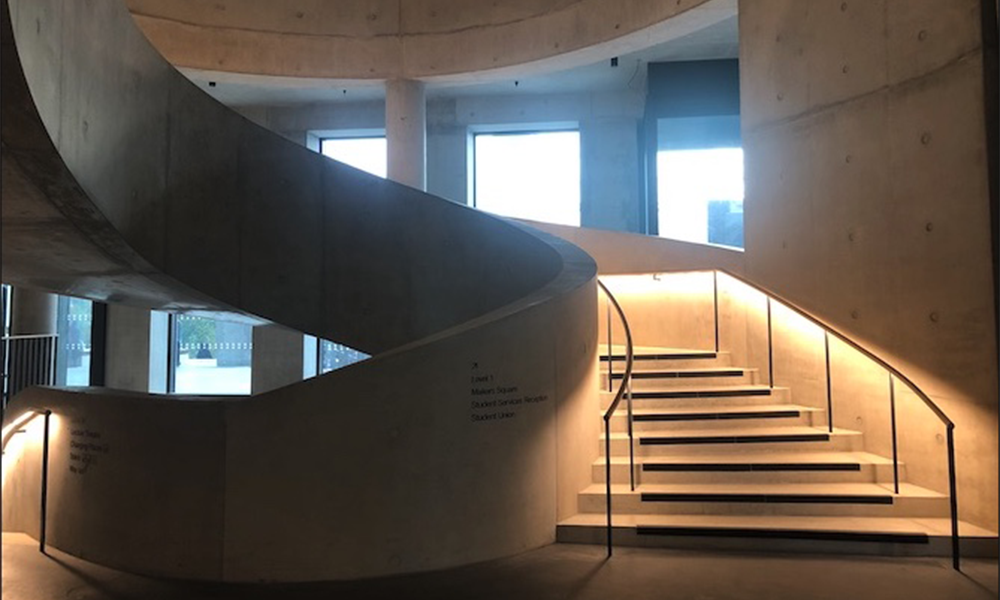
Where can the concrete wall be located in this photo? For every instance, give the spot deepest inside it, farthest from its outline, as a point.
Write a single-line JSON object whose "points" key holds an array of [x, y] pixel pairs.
{"points": [[386, 39], [451, 451], [867, 199]]}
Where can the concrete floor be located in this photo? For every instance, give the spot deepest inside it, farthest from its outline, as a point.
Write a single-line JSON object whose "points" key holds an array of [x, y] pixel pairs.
{"points": [[559, 571]]}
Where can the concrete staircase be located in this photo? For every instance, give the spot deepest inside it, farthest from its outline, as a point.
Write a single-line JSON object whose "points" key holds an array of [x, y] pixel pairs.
{"points": [[723, 460]]}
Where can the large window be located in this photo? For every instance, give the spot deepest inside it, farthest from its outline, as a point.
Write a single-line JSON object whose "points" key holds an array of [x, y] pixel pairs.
{"points": [[699, 175], [529, 175], [74, 325], [210, 356], [369, 154]]}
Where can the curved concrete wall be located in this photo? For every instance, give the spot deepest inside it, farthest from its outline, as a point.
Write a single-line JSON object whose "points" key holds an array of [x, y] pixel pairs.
{"points": [[462, 440], [359, 39], [864, 128]]}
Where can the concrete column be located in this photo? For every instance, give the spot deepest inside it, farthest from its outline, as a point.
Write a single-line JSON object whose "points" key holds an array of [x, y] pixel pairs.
{"points": [[127, 363], [406, 132], [33, 312], [278, 355], [610, 174]]}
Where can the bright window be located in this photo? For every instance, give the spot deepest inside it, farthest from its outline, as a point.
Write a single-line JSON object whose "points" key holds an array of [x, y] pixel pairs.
{"points": [[700, 195], [211, 356], [533, 175], [335, 356], [74, 319], [369, 154]]}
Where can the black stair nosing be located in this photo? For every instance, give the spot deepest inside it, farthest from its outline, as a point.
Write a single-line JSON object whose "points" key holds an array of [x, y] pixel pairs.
{"points": [[692, 374], [731, 393], [768, 498], [718, 416], [663, 356], [794, 534], [749, 467], [734, 439]]}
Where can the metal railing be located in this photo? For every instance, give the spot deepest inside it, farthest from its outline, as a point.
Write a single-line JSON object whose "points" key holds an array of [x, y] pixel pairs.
{"points": [[894, 376], [27, 360], [624, 391], [17, 427]]}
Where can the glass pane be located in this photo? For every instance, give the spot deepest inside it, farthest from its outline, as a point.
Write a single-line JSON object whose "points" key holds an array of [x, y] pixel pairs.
{"points": [[74, 326], [369, 154], [529, 175], [700, 195], [211, 356], [334, 356]]}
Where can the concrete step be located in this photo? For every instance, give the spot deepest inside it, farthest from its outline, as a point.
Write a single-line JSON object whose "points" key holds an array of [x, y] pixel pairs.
{"points": [[672, 419], [734, 441], [788, 499], [699, 397], [652, 358], [846, 535], [757, 467], [644, 378]]}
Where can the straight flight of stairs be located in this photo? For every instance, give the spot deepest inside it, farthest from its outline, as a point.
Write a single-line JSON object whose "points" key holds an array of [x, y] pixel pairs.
{"points": [[723, 460]]}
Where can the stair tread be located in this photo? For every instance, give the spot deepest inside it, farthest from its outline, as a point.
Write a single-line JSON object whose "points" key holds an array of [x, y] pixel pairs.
{"points": [[766, 408], [818, 489], [620, 349], [758, 458], [851, 524], [734, 431], [691, 370], [746, 387]]}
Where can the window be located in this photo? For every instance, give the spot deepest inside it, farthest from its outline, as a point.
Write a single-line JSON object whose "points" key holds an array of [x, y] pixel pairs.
{"points": [[530, 175], [701, 195], [210, 356], [369, 154], [699, 174], [74, 320], [334, 356]]}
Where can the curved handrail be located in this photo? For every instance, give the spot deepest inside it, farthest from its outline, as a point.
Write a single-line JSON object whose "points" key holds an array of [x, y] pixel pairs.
{"points": [[625, 385], [844, 338], [893, 373]]}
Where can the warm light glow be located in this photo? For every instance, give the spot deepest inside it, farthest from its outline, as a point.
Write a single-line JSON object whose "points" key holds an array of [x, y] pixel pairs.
{"points": [[16, 437], [686, 283]]}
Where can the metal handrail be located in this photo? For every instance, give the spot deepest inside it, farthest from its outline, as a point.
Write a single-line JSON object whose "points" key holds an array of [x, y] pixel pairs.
{"points": [[893, 374], [624, 390]]}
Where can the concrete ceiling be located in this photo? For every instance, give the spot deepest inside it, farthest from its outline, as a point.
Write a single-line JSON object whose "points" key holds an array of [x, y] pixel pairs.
{"points": [[719, 40]]}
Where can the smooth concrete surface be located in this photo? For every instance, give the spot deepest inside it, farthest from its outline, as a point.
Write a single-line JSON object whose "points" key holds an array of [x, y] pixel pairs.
{"points": [[406, 132], [576, 572], [484, 331], [33, 312], [867, 201], [392, 39], [626, 253], [128, 362], [278, 358], [320, 247]]}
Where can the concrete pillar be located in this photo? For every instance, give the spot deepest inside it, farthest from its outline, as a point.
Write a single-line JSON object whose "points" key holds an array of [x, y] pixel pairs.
{"points": [[406, 132], [127, 362], [278, 358], [33, 312], [610, 174]]}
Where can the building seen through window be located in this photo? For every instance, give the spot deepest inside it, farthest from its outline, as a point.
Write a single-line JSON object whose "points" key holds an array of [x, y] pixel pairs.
{"points": [[211, 356]]}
